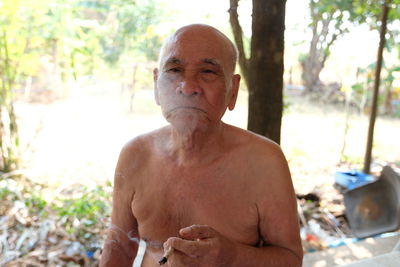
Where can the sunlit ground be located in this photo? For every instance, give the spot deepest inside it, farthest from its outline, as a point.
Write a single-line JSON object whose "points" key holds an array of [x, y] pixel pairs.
{"points": [[77, 140]]}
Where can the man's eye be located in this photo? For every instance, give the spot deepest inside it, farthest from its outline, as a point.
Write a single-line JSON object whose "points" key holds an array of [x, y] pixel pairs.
{"points": [[173, 70], [208, 71]]}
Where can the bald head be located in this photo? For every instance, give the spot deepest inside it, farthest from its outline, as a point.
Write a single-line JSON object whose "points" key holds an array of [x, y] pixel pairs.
{"points": [[205, 34]]}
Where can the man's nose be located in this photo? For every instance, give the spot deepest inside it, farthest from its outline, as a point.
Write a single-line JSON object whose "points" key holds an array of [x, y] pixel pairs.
{"points": [[189, 86]]}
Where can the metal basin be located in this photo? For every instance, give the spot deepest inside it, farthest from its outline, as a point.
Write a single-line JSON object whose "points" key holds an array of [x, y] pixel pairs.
{"points": [[374, 208]]}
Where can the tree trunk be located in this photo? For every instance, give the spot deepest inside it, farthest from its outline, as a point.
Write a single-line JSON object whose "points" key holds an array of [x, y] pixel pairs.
{"points": [[263, 72], [312, 64], [370, 137], [9, 140], [266, 68]]}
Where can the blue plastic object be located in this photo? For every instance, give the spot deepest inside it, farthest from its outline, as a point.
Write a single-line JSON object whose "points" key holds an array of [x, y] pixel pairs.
{"points": [[89, 254], [352, 179]]}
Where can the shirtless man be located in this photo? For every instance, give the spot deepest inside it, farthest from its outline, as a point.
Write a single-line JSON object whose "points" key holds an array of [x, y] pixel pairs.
{"points": [[217, 194]]}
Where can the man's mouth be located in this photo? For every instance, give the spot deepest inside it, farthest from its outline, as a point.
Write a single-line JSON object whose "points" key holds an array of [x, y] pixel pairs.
{"points": [[187, 107]]}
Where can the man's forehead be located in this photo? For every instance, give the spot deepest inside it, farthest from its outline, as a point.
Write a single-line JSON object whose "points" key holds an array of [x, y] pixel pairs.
{"points": [[198, 43], [179, 52]]}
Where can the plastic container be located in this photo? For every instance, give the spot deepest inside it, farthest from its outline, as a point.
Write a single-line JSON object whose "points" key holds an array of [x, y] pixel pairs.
{"points": [[352, 179]]}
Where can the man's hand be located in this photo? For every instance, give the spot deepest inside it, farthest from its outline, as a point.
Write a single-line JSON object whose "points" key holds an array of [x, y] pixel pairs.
{"points": [[200, 245]]}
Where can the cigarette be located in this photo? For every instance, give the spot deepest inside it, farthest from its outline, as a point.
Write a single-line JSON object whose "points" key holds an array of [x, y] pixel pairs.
{"points": [[164, 258]]}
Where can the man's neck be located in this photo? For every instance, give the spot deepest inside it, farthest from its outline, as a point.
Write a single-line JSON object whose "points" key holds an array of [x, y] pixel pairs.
{"points": [[189, 145]]}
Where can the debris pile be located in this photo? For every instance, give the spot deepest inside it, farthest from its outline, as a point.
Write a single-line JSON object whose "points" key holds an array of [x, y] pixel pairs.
{"points": [[323, 223], [355, 207], [66, 229]]}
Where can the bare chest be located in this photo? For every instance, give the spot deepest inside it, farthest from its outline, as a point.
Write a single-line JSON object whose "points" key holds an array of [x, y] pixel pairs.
{"points": [[169, 199]]}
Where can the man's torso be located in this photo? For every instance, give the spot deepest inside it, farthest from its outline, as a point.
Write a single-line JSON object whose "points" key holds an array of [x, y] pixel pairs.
{"points": [[221, 193]]}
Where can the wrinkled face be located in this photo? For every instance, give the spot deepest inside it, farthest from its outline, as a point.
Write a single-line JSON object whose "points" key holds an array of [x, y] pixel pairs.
{"points": [[195, 83]]}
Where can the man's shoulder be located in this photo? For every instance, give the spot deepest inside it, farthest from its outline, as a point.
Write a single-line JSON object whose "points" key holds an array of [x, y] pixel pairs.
{"points": [[146, 141], [142, 147], [251, 140], [263, 163], [259, 150]]}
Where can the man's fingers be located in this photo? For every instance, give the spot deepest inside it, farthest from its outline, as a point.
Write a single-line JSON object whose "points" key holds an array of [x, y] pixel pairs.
{"points": [[188, 247], [195, 232], [193, 241]]}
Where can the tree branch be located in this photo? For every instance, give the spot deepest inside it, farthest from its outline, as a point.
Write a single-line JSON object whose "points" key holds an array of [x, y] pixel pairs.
{"points": [[238, 36]]}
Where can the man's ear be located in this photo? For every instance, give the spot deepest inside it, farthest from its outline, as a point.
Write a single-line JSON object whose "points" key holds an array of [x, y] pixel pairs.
{"points": [[155, 78], [234, 91]]}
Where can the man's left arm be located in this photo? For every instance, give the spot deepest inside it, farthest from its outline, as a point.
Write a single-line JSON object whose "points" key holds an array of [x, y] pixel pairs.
{"points": [[278, 217]]}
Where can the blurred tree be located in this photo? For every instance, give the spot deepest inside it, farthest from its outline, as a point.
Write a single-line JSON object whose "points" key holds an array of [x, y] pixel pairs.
{"points": [[263, 70], [129, 25], [47, 42], [328, 23], [10, 46], [330, 19], [74, 37], [369, 12]]}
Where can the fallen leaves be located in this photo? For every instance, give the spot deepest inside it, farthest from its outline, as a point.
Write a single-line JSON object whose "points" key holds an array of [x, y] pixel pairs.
{"points": [[33, 232]]}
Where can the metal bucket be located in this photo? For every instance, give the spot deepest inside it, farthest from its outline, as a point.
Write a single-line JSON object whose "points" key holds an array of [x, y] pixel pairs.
{"points": [[374, 208]]}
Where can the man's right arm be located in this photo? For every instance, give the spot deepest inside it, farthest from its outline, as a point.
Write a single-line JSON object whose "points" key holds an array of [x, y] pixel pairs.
{"points": [[121, 245]]}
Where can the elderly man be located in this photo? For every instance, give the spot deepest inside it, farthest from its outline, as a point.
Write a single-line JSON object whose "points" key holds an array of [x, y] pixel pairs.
{"points": [[204, 192]]}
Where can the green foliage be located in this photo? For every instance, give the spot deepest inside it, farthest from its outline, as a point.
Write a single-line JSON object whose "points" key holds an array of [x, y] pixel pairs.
{"points": [[67, 39], [362, 89], [128, 26], [36, 204], [338, 10], [82, 211], [27, 193], [369, 11], [77, 212], [7, 195], [334, 13]]}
